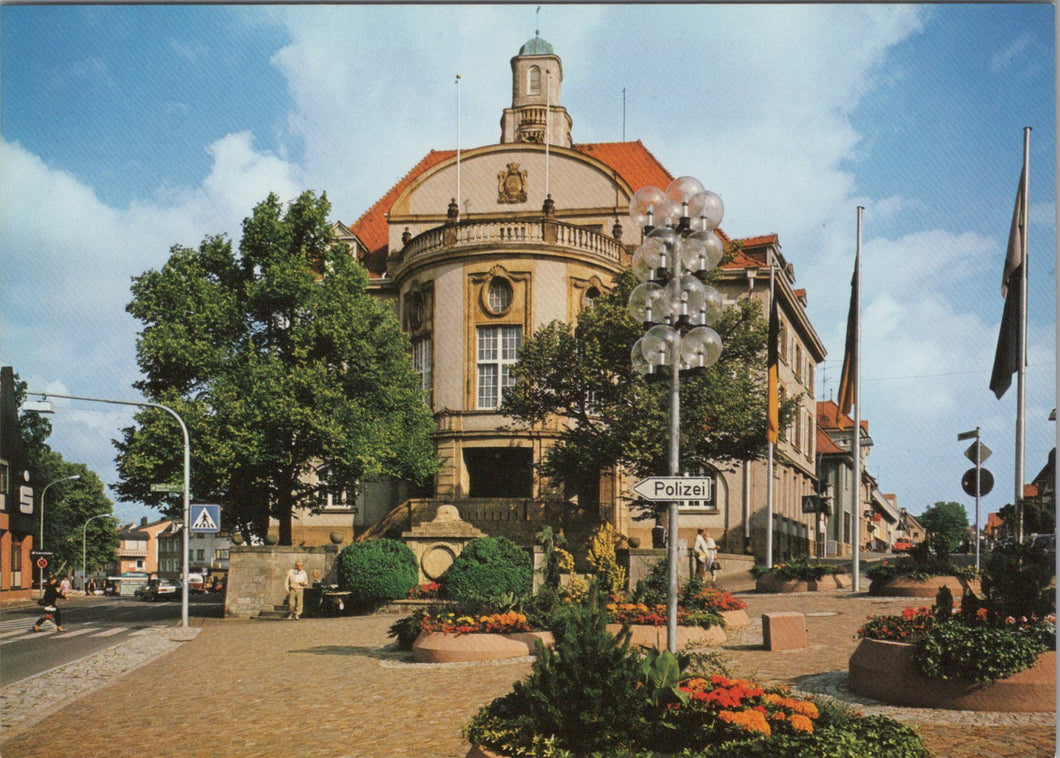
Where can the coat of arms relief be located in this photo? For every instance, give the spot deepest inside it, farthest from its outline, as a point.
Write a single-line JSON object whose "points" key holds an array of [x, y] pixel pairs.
{"points": [[511, 185]]}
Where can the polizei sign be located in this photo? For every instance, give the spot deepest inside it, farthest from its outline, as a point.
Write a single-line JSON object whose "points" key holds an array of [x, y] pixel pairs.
{"points": [[676, 488]]}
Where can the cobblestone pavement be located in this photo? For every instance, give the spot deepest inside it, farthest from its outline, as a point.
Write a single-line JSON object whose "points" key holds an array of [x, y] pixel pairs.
{"points": [[332, 687]]}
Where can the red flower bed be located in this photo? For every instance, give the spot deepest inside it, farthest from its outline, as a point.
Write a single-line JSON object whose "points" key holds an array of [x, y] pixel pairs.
{"points": [[495, 623], [425, 591], [744, 706]]}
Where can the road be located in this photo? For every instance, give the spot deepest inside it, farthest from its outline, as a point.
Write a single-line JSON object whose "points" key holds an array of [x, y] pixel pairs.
{"points": [[92, 624]]}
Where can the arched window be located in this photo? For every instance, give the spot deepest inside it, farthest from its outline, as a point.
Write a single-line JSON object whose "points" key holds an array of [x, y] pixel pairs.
{"points": [[533, 83]]}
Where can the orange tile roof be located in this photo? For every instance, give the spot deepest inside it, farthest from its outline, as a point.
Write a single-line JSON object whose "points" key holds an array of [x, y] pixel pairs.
{"points": [[631, 160], [634, 163], [829, 417], [371, 227]]}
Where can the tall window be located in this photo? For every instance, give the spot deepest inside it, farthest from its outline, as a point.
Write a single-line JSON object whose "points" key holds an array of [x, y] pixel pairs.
{"points": [[533, 85], [422, 354], [498, 350]]}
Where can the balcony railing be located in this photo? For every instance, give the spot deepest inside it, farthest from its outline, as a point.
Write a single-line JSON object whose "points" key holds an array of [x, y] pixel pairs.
{"points": [[532, 232]]}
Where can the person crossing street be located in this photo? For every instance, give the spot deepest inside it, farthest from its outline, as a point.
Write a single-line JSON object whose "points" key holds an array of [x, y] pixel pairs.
{"points": [[50, 601]]}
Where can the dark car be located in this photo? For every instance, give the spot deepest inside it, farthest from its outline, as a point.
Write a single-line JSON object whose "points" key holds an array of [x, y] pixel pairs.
{"points": [[161, 589]]}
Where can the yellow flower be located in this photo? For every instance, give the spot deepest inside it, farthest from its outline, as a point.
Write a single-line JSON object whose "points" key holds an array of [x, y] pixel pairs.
{"points": [[749, 721]]}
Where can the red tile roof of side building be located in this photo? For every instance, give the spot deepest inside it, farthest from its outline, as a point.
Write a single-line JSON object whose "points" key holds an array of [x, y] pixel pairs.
{"points": [[829, 417]]}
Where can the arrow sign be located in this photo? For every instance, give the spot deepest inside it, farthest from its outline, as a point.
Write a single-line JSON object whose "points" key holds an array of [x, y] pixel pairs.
{"points": [[984, 452], [205, 518], [676, 488]]}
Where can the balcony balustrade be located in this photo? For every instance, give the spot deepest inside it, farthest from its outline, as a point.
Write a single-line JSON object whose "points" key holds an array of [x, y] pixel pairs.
{"points": [[523, 233]]}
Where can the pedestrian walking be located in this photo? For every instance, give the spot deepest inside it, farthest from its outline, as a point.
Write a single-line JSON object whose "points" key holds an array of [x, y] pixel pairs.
{"points": [[64, 587], [295, 583], [50, 600], [705, 551]]}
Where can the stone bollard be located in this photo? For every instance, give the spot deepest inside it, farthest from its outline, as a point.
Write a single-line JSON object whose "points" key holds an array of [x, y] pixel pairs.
{"points": [[783, 630]]}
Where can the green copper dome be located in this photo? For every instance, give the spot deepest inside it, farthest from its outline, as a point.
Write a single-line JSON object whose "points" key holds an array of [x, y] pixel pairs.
{"points": [[536, 46]]}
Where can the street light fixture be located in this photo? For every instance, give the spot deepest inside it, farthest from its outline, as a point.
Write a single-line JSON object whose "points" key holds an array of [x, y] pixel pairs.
{"points": [[187, 474], [84, 551], [41, 547], [677, 309]]}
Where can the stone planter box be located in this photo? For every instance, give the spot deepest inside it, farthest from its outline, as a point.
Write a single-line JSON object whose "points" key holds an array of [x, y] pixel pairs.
{"points": [[645, 635], [443, 647], [770, 584], [735, 619], [904, 586], [885, 671]]}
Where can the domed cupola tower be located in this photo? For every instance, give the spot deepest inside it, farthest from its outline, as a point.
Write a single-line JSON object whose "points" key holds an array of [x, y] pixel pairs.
{"points": [[536, 113]]}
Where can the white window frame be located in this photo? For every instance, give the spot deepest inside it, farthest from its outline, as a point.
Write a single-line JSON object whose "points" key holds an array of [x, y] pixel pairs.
{"points": [[497, 350], [422, 360]]}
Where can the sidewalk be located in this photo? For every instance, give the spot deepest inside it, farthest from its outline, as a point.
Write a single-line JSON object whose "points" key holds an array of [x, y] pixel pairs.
{"points": [[330, 687]]}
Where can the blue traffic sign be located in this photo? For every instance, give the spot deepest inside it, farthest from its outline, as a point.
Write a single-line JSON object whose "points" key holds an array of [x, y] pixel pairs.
{"points": [[205, 518]]}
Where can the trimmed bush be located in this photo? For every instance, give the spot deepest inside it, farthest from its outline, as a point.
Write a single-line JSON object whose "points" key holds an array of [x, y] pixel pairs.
{"points": [[489, 567], [377, 570]]}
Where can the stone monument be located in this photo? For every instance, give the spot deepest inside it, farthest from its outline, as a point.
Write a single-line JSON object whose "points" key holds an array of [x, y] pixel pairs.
{"points": [[437, 543]]}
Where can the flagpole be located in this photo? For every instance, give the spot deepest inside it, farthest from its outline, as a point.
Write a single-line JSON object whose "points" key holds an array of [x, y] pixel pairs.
{"points": [[769, 458], [1021, 358], [458, 199], [548, 121], [857, 412]]}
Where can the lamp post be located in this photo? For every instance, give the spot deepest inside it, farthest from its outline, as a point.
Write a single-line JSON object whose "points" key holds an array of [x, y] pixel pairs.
{"points": [[84, 550], [677, 309], [187, 475], [42, 494]]}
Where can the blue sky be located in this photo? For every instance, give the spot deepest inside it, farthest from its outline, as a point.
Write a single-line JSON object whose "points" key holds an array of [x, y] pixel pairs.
{"points": [[125, 130]]}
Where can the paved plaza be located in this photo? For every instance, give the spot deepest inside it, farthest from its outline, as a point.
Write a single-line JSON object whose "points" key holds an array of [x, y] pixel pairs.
{"points": [[334, 687]]}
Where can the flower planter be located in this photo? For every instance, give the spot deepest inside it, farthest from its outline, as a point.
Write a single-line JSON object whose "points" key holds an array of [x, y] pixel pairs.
{"points": [[444, 647], [646, 635], [885, 670], [771, 584], [904, 586], [735, 619]]}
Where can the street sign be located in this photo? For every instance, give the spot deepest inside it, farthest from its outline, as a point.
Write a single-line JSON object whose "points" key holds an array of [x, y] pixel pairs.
{"points": [[205, 518], [983, 453], [167, 488], [986, 482], [676, 488], [812, 503], [38, 553], [42, 563], [25, 499]]}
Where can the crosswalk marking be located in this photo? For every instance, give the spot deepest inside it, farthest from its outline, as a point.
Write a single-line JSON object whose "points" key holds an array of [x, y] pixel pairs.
{"points": [[110, 632], [23, 633]]}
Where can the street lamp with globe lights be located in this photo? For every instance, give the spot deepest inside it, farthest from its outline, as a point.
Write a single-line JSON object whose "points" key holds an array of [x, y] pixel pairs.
{"points": [[42, 494], [678, 309]]}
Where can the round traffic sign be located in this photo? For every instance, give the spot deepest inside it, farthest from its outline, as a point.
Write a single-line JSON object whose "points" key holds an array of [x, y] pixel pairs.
{"points": [[42, 563], [986, 482]]}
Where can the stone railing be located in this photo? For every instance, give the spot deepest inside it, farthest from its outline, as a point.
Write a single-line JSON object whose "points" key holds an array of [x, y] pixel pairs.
{"points": [[535, 232]]}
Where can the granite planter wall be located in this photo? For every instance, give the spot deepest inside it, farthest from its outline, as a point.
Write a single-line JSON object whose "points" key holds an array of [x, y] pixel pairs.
{"points": [[771, 584], [443, 647], [645, 635], [885, 670], [904, 586]]}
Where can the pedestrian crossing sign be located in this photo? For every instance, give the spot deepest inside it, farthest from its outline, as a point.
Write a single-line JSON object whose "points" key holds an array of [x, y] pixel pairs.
{"points": [[205, 518]]}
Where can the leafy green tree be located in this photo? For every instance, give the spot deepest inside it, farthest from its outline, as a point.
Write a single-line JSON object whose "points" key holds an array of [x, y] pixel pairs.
{"points": [[69, 505], [946, 525], [582, 374], [282, 366]]}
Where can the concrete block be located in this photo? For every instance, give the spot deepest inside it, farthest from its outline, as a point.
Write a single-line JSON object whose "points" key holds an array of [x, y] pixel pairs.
{"points": [[783, 630]]}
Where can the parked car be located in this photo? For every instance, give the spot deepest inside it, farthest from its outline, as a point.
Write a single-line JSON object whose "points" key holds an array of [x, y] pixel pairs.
{"points": [[196, 584], [161, 589], [902, 545], [1046, 542]]}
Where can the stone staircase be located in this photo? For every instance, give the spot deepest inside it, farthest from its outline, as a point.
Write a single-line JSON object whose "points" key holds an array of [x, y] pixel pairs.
{"points": [[278, 612]]}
